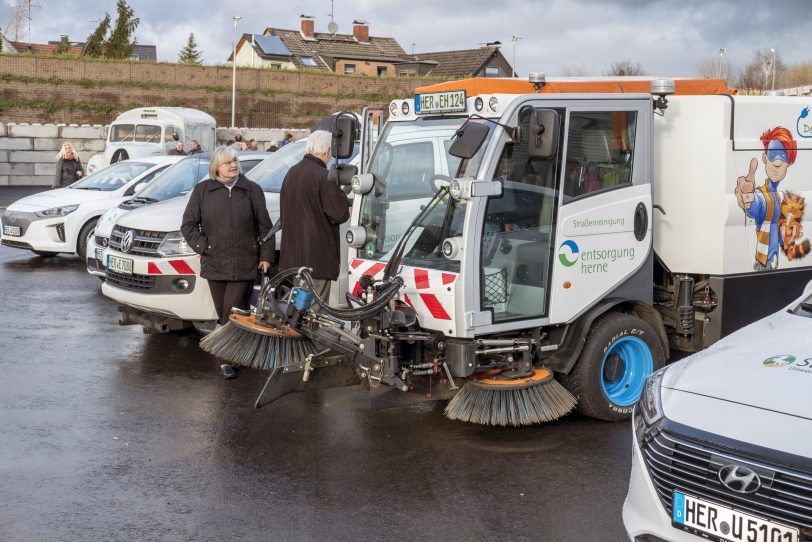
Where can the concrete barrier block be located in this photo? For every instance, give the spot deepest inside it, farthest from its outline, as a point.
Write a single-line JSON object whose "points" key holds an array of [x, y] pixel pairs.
{"points": [[19, 169], [33, 130], [4, 180], [81, 132], [31, 156], [94, 145], [2, 130], [16, 143], [3, 156], [47, 144], [44, 168]]}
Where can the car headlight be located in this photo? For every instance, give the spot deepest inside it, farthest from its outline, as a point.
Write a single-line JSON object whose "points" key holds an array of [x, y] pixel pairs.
{"points": [[174, 245], [651, 407], [57, 211], [91, 168], [455, 189]]}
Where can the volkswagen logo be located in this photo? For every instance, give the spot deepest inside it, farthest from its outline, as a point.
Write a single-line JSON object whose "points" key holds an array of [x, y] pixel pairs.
{"points": [[127, 241], [739, 479], [12, 217]]}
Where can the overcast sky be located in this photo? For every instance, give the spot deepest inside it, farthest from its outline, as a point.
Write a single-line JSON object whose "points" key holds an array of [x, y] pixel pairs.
{"points": [[664, 37]]}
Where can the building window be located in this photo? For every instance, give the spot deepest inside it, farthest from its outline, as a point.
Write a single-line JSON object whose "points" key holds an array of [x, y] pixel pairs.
{"points": [[492, 72], [407, 73], [349, 69], [276, 66], [382, 70]]}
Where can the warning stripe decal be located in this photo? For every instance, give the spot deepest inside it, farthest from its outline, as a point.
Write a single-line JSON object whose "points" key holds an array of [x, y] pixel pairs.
{"points": [[181, 267], [435, 307], [421, 279]]}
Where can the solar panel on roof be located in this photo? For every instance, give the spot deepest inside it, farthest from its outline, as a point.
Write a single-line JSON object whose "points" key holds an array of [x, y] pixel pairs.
{"points": [[272, 45], [308, 61]]}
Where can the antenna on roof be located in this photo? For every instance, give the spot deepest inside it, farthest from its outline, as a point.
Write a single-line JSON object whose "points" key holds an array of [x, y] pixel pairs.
{"points": [[332, 27]]}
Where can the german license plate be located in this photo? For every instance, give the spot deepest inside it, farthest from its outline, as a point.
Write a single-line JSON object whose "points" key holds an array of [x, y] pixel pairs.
{"points": [[120, 265], [705, 518], [451, 101], [12, 231], [100, 255]]}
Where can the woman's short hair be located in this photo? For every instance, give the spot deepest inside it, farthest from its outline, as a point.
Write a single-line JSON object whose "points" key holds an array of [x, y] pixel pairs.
{"points": [[319, 142], [220, 156], [65, 146]]}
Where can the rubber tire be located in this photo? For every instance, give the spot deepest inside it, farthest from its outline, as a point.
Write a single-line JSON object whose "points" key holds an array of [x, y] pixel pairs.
{"points": [[119, 155], [81, 241], [584, 381], [42, 254]]}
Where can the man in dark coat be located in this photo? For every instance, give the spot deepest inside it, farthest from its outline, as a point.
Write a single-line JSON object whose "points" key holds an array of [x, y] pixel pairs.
{"points": [[312, 209]]}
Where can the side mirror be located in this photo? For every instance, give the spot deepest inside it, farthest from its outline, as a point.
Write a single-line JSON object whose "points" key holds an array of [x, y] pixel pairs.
{"points": [[139, 187], [344, 136], [175, 136], [342, 174], [543, 137], [470, 138]]}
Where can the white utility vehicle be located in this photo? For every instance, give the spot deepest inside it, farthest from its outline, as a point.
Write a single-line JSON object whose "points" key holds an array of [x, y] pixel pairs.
{"points": [[177, 180], [62, 220], [571, 228], [723, 439], [152, 131], [155, 279]]}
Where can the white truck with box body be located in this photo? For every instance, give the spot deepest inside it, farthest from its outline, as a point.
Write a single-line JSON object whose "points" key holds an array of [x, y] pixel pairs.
{"points": [[151, 131], [581, 228]]}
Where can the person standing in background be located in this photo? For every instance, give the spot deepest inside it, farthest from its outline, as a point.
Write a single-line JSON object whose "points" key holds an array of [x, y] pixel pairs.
{"points": [[178, 150], [194, 147], [68, 167], [224, 222], [312, 209]]}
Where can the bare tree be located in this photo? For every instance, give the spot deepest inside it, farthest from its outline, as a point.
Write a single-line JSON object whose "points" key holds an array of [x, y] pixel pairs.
{"points": [[714, 68], [797, 75], [625, 68], [761, 71], [575, 70]]}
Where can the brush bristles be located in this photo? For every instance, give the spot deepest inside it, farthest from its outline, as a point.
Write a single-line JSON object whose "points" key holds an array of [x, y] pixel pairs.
{"points": [[544, 402], [239, 346]]}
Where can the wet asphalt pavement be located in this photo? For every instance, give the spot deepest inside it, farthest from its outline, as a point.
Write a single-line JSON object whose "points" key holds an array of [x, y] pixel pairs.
{"points": [[110, 434]]}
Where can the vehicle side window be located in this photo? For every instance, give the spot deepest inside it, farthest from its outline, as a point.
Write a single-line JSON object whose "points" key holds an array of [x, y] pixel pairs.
{"points": [[147, 134], [516, 165], [600, 149], [168, 131]]}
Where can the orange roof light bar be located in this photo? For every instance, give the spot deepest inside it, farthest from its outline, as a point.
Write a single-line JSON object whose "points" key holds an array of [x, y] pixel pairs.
{"points": [[484, 85]]}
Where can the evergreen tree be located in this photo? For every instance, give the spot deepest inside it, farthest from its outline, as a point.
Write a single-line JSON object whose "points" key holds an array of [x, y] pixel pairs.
{"points": [[121, 42], [64, 46], [94, 45], [190, 54]]}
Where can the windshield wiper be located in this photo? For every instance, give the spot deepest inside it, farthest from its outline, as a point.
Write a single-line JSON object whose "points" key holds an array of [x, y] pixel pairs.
{"points": [[87, 188]]}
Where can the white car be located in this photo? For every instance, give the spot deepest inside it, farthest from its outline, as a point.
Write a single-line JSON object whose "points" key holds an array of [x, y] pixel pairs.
{"points": [[723, 439], [155, 276], [62, 220], [177, 180]]}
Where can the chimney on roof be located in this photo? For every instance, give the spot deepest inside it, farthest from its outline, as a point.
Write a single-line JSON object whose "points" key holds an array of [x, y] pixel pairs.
{"points": [[308, 27], [360, 31]]}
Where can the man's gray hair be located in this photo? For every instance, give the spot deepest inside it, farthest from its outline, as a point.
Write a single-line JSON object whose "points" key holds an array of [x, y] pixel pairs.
{"points": [[220, 156], [319, 142]]}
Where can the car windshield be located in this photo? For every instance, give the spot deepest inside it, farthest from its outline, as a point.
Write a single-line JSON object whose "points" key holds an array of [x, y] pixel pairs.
{"points": [[177, 180], [113, 177], [270, 173]]}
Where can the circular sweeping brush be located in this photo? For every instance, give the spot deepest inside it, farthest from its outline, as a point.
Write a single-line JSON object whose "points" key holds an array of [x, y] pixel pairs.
{"points": [[243, 341], [523, 401]]}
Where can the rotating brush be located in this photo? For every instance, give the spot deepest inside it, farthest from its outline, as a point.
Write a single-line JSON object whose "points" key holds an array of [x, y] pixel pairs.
{"points": [[488, 400], [243, 341]]}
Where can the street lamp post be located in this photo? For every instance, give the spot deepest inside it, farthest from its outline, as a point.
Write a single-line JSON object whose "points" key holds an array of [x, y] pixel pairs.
{"points": [[722, 52], [513, 66], [772, 50], [234, 72]]}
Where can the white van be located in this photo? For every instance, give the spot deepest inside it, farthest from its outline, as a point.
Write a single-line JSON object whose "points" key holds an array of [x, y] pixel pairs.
{"points": [[153, 131]]}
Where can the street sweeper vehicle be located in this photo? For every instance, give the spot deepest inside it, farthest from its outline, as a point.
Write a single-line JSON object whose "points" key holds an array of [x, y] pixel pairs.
{"points": [[526, 247]]}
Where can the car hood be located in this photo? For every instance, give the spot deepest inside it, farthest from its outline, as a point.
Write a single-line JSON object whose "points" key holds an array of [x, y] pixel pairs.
{"points": [[162, 216], [767, 365], [57, 198], [104, 226]]}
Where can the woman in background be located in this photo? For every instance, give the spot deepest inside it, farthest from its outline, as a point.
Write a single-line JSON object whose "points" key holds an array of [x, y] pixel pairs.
{"points": [[68, 167]]}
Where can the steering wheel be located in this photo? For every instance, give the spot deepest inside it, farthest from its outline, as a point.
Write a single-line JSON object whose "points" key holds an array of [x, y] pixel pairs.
{"points": [[437, 181]]}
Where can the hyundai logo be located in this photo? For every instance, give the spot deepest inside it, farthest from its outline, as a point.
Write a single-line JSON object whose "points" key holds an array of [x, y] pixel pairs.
{"points": [[127, 241], [739, 479], [12, 217]]}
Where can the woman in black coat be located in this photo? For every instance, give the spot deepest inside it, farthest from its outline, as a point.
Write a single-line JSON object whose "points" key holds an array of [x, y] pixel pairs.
{"points": [[224, 222], [68, 167]]}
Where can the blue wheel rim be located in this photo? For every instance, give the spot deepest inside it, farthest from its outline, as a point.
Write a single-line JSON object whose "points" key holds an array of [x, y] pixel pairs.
{"points": [[638, 363]]}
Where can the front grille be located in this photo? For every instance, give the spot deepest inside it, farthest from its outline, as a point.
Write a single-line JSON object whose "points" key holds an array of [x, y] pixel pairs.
{"points": [[141, 283], [60, 231], [145, 242], [676, 462], [100, 241]]}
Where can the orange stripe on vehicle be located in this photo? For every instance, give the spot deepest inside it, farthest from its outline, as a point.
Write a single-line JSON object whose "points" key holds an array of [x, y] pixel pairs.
{"points": [[484, 85], [421, 279], [181, 267], [152, 269], [435, 307]]}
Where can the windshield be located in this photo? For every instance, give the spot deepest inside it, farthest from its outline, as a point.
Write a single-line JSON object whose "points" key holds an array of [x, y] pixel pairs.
{"points": [[145, 133], [270, 173], [177, 180], [113, 177], [410, 164]]}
